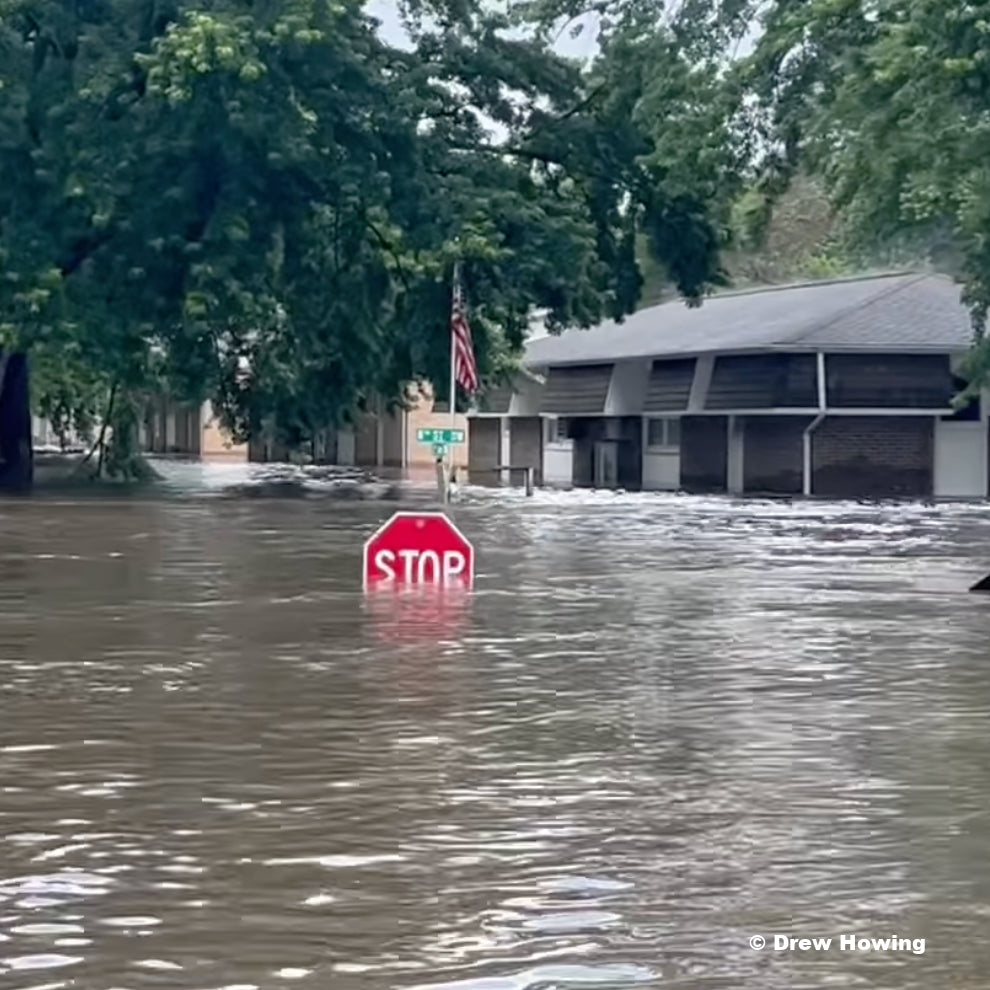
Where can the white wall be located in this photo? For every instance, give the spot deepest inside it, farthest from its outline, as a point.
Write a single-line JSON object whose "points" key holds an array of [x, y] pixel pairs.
{"points": [[558, 464], [661, 471], [526, 396], [703, 369], [960, 459], [627, 389], [505, 441]]}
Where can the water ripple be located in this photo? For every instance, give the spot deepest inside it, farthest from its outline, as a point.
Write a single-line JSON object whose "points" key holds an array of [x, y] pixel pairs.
{"points": [[660, 725]]}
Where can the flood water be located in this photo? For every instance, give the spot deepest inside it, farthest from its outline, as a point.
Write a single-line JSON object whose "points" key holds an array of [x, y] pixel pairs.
{"points": [[660, 726]]}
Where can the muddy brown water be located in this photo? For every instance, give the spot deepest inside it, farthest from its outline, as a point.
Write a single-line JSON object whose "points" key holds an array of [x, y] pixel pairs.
{"points": [[659, 727]]}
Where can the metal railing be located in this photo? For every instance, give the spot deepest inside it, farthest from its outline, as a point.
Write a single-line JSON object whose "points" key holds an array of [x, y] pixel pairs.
{"points": [[529, 474]]}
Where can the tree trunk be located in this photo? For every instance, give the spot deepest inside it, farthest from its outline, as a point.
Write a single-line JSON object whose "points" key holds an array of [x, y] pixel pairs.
{"points": [[16, 449]]}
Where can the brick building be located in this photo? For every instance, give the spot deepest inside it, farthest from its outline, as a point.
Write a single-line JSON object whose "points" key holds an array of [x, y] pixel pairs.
{"points": [[842, 388]]}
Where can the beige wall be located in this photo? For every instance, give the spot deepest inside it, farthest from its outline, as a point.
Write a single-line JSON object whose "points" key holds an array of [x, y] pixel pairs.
{"points": [[386, 441], [174, 428], [214, 440], [422, 417]]}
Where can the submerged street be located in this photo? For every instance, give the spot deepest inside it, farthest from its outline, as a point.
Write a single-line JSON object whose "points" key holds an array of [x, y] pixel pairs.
{"points": [[660, 726]]}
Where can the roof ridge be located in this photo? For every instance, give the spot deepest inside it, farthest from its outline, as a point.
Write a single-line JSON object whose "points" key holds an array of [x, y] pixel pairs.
{"points": [[856, 307], [855, 312], [755, 290], [814, 283]]}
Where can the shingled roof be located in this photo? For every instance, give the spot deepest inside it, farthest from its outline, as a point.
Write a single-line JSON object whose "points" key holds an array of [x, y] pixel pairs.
{"points": [[906, 313]]}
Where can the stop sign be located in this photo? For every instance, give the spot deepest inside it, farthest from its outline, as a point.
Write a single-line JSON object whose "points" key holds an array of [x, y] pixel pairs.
{"points": [[423, 548]]}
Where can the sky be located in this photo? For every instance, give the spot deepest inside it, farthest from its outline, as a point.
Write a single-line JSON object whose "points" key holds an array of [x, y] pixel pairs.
{"points": [[391, 29], [386, 11], [582, 47]]}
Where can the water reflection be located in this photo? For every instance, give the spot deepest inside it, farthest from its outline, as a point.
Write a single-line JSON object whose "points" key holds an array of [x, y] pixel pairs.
{"points": [[657, 726], [424, 614]]}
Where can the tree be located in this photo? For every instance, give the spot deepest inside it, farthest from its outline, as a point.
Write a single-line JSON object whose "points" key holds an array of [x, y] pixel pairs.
{"points": [[260, 202], [887, 101]]}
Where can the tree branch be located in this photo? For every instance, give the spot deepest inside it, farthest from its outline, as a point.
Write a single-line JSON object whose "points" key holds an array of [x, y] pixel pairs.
{"points": [[387, 245], [82, 250], [101, 439]]}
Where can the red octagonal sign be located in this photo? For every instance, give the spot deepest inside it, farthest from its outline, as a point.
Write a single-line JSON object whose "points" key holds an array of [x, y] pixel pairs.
{"points": [[423, 548]]}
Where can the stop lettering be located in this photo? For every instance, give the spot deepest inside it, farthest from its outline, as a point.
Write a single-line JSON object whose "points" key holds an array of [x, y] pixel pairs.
{"points": [[423, 548]]}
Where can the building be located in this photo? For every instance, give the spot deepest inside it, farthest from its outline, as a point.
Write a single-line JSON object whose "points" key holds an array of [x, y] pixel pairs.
{"points": [[508, 428], [388, 439], [188, 431], [167, 428], [841, 388]]}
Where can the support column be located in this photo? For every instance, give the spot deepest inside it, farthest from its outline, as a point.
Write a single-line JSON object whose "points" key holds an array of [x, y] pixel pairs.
{"points": [[154, 428], [196, 425], [346, 446], [505, 446], [170, 431], [206, 422], [807, 459], [985, 419], [703, 369], [380, 435], [734, 455]]}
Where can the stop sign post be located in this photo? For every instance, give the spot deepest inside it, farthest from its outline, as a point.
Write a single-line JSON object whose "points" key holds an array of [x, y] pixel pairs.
{"points": [[418, 548]]}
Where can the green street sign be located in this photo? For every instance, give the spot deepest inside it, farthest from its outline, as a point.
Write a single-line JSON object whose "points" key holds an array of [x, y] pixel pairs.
{"points": [[440, 436], [439, 449]]}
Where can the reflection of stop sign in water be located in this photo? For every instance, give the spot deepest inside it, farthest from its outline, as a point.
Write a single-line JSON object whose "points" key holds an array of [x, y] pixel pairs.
{"points": [[423, 548], [413, 615]]}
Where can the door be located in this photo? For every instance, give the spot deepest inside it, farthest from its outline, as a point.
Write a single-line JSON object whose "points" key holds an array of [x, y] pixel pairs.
{"points": [[606, 464], [960, 459], [661, 454]]}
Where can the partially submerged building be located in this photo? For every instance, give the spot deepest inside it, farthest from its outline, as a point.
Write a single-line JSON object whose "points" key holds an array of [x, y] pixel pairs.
{"points": [[841, 388], [388, 439], [187, 430]]}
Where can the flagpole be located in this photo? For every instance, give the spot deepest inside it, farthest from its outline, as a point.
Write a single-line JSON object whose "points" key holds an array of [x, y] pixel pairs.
{"points": [[453, 374], [455, 289]]}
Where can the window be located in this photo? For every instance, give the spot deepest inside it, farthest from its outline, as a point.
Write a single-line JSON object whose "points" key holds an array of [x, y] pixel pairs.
{"points": [[911, 381], [663, 433], [558, 430]]}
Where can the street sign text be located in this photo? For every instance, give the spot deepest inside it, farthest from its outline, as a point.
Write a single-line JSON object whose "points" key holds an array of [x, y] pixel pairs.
{"points": [[418, 548], [440, 436]]}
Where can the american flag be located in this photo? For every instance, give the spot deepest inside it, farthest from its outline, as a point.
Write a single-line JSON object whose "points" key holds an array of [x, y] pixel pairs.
{"points": [[465, 369]]}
